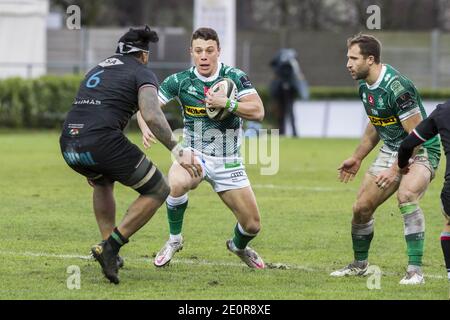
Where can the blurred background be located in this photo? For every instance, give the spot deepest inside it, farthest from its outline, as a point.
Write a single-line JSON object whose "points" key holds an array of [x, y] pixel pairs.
{"points": [[42, 60]]}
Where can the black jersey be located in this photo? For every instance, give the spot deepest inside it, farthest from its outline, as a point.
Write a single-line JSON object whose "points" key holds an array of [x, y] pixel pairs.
{"points": [[438, 122], [108, 96]]}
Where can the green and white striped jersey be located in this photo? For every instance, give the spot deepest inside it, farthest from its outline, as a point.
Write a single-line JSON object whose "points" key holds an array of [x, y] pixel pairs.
{"points": [[211, 137], [392, 99]]}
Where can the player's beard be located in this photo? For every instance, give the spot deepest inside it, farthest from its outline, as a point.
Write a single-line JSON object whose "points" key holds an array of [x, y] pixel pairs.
{"points": [[362, 74]]}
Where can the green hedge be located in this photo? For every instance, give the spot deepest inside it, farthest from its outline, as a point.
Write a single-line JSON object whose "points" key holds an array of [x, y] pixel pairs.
{"points": [[43, 102], [36, 103]]}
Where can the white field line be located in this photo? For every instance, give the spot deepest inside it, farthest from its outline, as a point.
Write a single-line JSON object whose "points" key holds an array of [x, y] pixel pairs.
{"points": [[300, 187], [318, 189], [197, 262]]}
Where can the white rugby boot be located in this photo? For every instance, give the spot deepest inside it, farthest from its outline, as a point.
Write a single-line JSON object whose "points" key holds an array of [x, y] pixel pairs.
{"points": [[413, 278], [247, 255], [167, 252], [356, 268]]}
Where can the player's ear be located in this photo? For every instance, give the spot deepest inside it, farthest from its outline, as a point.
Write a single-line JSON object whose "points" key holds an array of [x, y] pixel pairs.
{"points": [[145, 56]]}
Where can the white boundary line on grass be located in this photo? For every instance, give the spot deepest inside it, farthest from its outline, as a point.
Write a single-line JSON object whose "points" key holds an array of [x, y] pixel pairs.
{"points": [[185, 261], [300, 187]]}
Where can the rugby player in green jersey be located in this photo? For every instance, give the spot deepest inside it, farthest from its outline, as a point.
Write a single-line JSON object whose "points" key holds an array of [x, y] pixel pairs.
{"points": [[394, 108], [215, 143]]}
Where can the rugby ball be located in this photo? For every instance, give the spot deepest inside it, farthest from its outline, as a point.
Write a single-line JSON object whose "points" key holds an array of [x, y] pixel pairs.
{"points": [[229, 87]]}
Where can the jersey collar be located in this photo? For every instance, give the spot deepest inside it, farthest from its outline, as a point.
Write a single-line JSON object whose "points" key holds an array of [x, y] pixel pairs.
{"points": [[380, 78], [211, 78]]}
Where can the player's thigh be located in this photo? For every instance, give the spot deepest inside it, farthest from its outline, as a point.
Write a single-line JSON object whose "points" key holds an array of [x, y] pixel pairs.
{"points": [[242, 202], [370, 196], [414, 184]]}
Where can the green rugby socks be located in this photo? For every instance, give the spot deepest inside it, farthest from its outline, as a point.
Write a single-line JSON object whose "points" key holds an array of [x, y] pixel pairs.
{"points": [[362, 235], [241, 237], [414, 226], [176, 206]]}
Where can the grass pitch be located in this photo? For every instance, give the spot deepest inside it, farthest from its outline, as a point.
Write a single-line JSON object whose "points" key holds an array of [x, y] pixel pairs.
{"points": [[47, 225]]}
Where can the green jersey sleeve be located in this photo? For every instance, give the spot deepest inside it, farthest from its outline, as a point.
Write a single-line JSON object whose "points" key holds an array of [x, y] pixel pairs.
{"points": [[168, 89], [242, 81], [404, 98]]}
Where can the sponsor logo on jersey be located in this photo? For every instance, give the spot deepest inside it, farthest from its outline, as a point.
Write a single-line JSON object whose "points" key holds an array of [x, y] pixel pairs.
{"points": [[405, 101], [371, 100], [383, 122], [191, 90], [364, 97], [387, 77], [87, 101], [374, 111], [397, 87], [380, 103], [195, 111], [246, 83], [110, 62]]}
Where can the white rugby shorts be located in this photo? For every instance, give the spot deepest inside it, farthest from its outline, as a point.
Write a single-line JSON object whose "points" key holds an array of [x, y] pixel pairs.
{"points": [[223, 173]]}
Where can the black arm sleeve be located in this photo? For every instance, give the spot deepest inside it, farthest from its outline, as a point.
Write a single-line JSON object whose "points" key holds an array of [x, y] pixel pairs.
{"points": [[426, 130], [407, 148]]}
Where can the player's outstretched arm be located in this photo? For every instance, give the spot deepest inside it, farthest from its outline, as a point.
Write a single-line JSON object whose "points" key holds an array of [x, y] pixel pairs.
{"points": [[147, 135], [368, 141], [154, 117], [157, 122], [350, 166]]}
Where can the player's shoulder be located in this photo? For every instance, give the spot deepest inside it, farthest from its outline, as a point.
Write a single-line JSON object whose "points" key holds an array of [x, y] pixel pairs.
{"points": [[230, 72], [238, 76], [394, 82], [178, 77]]}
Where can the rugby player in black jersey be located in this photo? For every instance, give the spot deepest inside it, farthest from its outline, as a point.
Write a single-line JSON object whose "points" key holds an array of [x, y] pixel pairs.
{"points": [[94, 145]]}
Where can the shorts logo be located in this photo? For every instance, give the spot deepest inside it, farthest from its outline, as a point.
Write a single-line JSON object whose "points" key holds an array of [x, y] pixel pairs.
{"points": [[79, 159], [74, 132], [195, 111], [383, 122], [237, 174]]}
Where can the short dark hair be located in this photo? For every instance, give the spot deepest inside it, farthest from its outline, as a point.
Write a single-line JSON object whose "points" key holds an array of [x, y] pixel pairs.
{"points": [[206, 34], [368, 45]]}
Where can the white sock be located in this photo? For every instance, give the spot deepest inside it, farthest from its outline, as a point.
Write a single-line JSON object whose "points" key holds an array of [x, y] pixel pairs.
{"points": [[413, 268], [176, 238]]}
